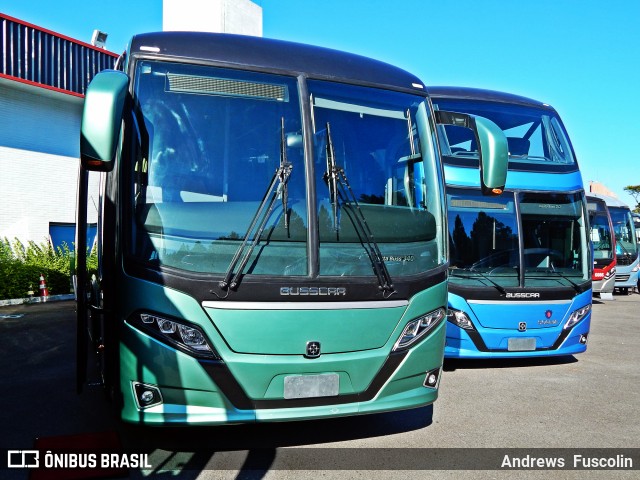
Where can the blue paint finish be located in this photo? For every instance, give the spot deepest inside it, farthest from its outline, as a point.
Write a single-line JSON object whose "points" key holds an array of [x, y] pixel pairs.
{"points": [[495, 327], [564, 182]]}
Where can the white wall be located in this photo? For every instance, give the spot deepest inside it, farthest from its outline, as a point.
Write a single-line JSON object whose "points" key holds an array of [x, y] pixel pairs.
{"points": [[224, 16], [40, 129], [37, 119], [39, 150]]}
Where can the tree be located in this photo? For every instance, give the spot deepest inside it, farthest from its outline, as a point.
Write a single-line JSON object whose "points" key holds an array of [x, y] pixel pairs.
{"points": [[634, 191]]}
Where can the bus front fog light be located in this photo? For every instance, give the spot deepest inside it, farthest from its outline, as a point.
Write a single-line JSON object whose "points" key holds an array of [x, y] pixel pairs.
{"points": [[431, 380], [583, 339], [146, 395]]}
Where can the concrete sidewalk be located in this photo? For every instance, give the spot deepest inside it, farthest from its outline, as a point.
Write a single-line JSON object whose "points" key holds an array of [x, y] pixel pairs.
{"points": [[50, 298]]}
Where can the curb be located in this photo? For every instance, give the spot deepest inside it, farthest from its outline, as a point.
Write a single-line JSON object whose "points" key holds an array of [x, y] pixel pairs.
{"points": [[50, 298]]}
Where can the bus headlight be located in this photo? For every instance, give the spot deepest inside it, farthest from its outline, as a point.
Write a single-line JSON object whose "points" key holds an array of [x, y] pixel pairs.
{"points": [[418, 328], [577, 315], [186, 337], [459, 318], [610, 273], [636, 268]]}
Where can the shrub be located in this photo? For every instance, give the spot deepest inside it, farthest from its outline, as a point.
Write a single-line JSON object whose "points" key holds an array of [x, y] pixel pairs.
{"points": [[21, 266]]}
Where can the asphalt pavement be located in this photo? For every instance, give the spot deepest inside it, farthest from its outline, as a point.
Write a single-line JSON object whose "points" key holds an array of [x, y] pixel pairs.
{"points": [[587, 401]]}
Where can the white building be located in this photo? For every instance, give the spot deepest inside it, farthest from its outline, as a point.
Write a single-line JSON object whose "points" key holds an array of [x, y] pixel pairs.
{"points": [[43, 76], [38, 160], [242, 17]]}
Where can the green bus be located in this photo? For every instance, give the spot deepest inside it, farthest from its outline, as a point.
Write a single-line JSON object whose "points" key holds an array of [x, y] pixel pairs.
{"points": [[272, 239]]}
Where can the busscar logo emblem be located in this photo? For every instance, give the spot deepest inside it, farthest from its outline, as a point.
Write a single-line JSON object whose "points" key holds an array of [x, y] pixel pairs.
{"points": [[313, 291], [313, 350], [522, 326], [522, 295]]}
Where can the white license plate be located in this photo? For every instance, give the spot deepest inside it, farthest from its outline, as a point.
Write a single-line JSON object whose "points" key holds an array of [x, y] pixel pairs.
{"points": [[309, 386], [521, 344]]}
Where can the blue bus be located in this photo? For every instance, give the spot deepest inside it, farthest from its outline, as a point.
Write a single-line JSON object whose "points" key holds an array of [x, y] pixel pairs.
{"points": [[627, 260], [271, 240], [520, 269]]}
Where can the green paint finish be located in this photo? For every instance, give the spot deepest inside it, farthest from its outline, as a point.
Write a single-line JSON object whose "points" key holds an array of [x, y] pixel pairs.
{"points": [[137, 295], [186, 406], [307, 413], [101, 119], [147, 360], [422, 358], [286, 332], [495, 153], [414, 398], [424, 302]]}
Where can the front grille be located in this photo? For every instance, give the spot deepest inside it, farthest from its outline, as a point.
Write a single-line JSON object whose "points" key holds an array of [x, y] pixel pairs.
{"points": [[625, 259], [225, 86], [622, 278]]}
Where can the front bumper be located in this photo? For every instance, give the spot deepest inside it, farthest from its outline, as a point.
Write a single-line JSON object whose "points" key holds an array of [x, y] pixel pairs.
{"points": [[195, 392]]}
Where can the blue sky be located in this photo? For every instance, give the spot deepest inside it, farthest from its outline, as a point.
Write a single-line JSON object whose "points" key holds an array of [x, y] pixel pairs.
{"points": [[581, 56]]}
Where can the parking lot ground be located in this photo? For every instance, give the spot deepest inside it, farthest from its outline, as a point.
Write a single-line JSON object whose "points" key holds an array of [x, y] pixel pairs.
{"points": [[582, 402]]}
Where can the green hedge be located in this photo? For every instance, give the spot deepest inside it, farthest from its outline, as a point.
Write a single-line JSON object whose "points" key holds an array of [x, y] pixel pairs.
{"points": [[21, 266]]}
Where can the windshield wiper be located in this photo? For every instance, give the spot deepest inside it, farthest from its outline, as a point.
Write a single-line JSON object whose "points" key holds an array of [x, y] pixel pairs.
{"points": [[340, 189], [284, 164], [575, 286], [552, 270], [259, 221], [331, 177], [499, 287]]}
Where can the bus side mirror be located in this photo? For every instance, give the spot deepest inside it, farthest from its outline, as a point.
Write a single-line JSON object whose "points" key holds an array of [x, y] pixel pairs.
{"points": [[493, 148], [101, 119]]}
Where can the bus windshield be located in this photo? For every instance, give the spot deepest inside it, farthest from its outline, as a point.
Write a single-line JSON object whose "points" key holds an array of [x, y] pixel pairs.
{"points": [[483, 238], [211, 141], [536, 136], [554, 238], [601, 234], [624, 228], [485, 245]]}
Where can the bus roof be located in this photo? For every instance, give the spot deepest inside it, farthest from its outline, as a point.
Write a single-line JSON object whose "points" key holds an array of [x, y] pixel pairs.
{"points": [[595, 199], [467, 93], [241, 51], [611, 201]]}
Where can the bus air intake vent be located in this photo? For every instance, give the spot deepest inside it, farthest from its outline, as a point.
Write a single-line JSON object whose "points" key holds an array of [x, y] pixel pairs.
{"points": [[463, 203], [227, 87]]}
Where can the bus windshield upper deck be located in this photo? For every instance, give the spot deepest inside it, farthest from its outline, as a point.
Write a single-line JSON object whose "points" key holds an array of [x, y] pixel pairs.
{"points": [[535, 133]]}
